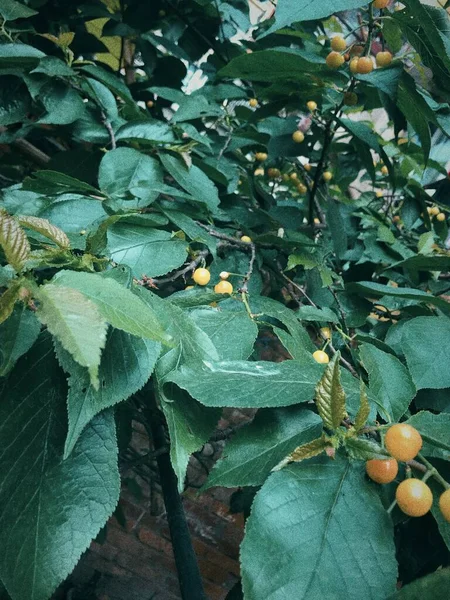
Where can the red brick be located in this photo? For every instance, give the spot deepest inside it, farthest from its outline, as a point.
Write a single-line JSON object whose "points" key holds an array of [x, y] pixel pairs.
{"points": [[215, 592], [213, 556], [214, 573], [105, 566], [153, 539], [126, 542], [104, 550]]}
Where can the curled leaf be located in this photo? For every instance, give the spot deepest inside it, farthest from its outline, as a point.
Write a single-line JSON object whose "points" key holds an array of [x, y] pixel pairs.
{"points": [[330, 395], [14, 241], [364, 409], [305, 451], [45, 228]]}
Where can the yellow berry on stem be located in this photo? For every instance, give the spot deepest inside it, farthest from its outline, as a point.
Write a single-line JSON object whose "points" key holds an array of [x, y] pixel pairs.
{"points": [[261, 156], [335, 60], [414, 497], [298, 137], [246, 239], [223, 287], [382, 471], [365, 65], [403, 441], [321, 357], [201, 276], [380, 4], [338, 43], [440, 217], [312, 106], [383, 59], [327, 176], [253, 102], [444, 504]]}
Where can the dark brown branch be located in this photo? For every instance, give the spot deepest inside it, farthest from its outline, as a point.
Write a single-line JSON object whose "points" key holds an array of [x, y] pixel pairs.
{"points": [[189, 267]]}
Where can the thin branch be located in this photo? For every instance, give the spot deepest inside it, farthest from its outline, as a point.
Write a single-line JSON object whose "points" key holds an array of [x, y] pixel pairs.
{"points": [[244, 286], [109, 128], [36, 155], [181, 272]]}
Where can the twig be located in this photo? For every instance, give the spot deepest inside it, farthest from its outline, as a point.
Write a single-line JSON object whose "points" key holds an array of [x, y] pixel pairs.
{"points": [[244, 286], [36, 155], [109, 128], [223, 236], [189, 267]]}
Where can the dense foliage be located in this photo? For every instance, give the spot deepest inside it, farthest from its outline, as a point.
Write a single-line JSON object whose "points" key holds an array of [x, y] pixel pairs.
{"points": [[143, 141]]}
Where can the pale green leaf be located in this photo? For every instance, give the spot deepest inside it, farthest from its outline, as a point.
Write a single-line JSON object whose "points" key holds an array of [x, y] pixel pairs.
{"points": [[330, 395], [76, 322], [360, 448], [309, 450], [318, 530], [364, 409], [118, 305], [13, 240], [50, 509]]}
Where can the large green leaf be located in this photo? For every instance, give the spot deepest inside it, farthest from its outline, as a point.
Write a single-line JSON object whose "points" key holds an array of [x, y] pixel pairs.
{"points": [[435, 432], [252, 453], [193, 180], [147, 251], [292, 11], [273, 65], [76, 322], [232, 333], [17, 334], [118, 305], [126, 364], [126, 171], [62, 103], [430, 587], [153, 131], [318, 530], [50, 509], [390, 381], [425, 346], [12, 10], [19, 55], [244, 384]]}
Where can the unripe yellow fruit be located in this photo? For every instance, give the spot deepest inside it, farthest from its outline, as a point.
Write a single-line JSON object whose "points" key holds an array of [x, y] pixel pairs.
{"points": [[327, 176], [301, 188], [433, 210], [321, 357], [325, 331], [253, 102], [380, 4], [298, 137], [261, 156], [384, 170], [273, 173], [444, 504], [353, 64], [293, 176], [338, 43], [223, 287], [246, 239], [307, 167], [379, 194], [316, 221], [259, 172], [201, 276], [414, 497], [224, 275], [335, 60], [150, 104], [440, 217], [311, 105], [365, 65], [383, 59], [286, 177]]}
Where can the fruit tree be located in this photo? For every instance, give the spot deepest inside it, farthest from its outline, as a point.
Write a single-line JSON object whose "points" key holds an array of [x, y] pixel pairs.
{"points": [[178, 180]]}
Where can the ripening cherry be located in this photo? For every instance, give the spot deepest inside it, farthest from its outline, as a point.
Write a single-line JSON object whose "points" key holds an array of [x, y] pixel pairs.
{"points": [[440, 217], [261, 156], [380, 4], [312, 106], [246, 239], [384, 170], [307, 167], [321, 357], [444, 504], [403, 441], [383, 59], [301, 188], [223, 287], [414, 497], [382, 471], [335, 60], [273, 173], [150, 104], [327, 176], [338, 43], [253, 102], [325, 331], [350, 98], [365, 65], [258, 172], [353, 64], [201, 276], [293, 176], [298, 137]]}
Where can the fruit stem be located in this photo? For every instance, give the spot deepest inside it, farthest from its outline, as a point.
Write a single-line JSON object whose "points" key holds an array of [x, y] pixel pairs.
{"points": [[368, 46], [392, 506], [247, 306], [433, 472]]}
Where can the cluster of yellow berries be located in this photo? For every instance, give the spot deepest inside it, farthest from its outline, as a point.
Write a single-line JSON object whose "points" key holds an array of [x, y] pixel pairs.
{"points": [[414, 496], [202, 276], [434, 211], [358, 64]]}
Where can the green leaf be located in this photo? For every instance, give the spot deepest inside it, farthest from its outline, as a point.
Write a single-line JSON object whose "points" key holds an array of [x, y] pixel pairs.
{"points": [[196, 107], [420, 262], [281, 64], [12, 10], [45, 228], [363, 132], [118, 305], [232, 333], [76, 322], [424, 344], [54, 182], [37, 484], [147, 251], [126, 365], [435, 432], [305, 451], [152, 131], [248, 384], [390, 381], [62, 103], [17, 334], [190, 424], [13, 240], [19, 55], [193, 180], [318, 530], [7, 301], [416, 111], [363, 449], [126, 171], [386, 80], [330, 395], [15, 101], [431, 587], [252, 453], [364, 409], [73, 213], [371, 289], [312, 313]]}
